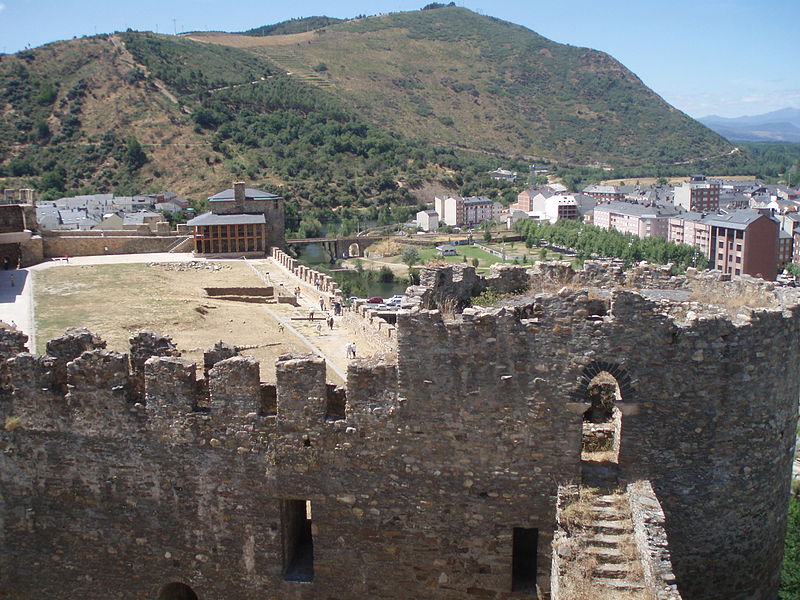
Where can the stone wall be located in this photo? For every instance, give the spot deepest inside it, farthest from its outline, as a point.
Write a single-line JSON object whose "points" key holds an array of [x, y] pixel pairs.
{"points": [[442, 450], [651, 542], [90, 243], [359, 318], [326, 288]]}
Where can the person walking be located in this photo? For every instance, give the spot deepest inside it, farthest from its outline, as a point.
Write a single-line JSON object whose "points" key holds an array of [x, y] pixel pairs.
{"points": [[330, 323], [281, 328]]}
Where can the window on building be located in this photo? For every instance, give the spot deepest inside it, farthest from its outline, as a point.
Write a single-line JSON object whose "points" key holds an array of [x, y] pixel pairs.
{"points": [[298, 543], [719, 256], [739, 247], [738, 271], [739, 259], [523, 565]]}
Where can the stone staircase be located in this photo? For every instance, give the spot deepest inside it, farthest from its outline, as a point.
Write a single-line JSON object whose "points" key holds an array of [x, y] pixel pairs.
{"points": [[597, 553]]}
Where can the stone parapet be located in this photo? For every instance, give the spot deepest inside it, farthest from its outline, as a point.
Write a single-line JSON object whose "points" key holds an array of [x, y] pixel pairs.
{"points": [[650, 535], [318, 283]]}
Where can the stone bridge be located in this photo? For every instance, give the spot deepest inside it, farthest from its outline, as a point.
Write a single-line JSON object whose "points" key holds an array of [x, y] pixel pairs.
{"points": [[346, 247]]}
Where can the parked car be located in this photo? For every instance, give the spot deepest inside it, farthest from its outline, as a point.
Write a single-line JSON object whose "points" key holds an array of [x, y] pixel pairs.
{"points": [[375, 300]]}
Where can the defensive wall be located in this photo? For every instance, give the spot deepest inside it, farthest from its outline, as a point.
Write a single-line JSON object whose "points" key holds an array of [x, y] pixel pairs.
{"points": [[320, 284], [121, 473], [54, 244]]}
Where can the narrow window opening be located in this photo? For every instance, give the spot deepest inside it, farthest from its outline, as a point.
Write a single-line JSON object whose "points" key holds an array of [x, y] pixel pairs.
{"points": [[298, 543], [602, 422], [523, 564]]}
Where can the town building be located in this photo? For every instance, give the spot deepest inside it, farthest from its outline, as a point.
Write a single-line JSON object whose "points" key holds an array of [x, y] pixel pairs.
{"points": [[503, 175], [242, 221], [637, 219], [785, 248], [698, 194], [458, 211], [604, 193], [689, 228], [427, 220], [744, 242], [525, 198]]}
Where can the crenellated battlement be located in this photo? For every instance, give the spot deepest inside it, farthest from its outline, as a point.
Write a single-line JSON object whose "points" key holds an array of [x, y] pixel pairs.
{"points": [[92, 391]]}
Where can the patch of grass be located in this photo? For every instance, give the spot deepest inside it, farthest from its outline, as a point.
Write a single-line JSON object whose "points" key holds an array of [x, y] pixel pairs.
{"points": [[115, 301]]}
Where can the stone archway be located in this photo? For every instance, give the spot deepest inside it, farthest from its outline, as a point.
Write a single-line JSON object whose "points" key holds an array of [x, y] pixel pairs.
{"points": [[602, 421], [176, 591], [624, 380], [354, 250], [604, 387]]}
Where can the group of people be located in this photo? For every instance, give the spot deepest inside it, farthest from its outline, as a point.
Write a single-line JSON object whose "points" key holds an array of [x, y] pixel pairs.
{"points": [[336, 310], [328, 322]]}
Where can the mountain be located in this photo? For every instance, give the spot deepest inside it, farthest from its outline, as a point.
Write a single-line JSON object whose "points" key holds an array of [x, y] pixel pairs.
{"points": [[293, 26], [451, 76], [777, 126], [362, 113]]}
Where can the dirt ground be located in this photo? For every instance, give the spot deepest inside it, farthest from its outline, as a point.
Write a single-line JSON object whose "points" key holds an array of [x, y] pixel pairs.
{"points": [[118, 300]]}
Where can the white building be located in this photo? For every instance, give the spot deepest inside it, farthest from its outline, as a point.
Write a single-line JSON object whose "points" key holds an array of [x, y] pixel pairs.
{"points": [[427, 220]]}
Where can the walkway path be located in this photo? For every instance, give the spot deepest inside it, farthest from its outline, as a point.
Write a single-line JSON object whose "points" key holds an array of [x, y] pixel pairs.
{"points": [[329, 343]]}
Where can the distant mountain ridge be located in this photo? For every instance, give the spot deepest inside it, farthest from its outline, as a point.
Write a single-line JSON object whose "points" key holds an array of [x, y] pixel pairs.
{"points": [[777, 126]]}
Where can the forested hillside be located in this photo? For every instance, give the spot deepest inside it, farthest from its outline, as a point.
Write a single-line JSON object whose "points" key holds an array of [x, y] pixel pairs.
{"points": [[451, 76]]}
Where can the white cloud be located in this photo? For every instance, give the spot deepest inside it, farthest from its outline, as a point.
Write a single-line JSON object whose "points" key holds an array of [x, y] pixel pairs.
{"points": [[2, 7]]}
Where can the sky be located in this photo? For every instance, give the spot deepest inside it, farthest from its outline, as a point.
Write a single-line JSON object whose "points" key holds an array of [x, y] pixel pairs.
{"points": [[723, 57]]}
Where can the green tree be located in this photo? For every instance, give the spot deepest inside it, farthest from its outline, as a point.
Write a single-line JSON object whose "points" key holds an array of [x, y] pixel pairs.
{"points": [[134, 158], [409, 256], [475, 262], [487, 227], [53, 180], [386, 275]]}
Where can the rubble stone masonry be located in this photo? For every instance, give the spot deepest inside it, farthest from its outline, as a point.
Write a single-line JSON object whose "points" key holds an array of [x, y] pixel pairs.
{"points": [[111, 487]]}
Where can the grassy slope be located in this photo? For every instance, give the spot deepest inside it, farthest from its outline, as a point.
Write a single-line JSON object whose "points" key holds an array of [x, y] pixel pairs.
{"points": [[454, 77], [105, 105]]}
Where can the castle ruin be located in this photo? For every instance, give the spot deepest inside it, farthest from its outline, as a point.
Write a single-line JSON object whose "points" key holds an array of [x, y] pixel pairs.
{"points": [[435, 473]]}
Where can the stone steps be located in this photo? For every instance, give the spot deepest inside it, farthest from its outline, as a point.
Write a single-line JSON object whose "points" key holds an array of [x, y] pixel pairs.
{"points": [[607, 555], [611, 571], [609, 527], [623, 586], [605, 534]]}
